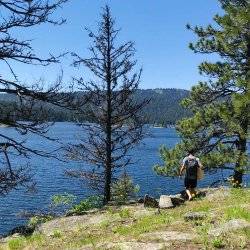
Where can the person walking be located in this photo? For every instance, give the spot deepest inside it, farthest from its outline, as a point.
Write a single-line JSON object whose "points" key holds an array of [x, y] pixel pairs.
{"points": [[191, 165]]}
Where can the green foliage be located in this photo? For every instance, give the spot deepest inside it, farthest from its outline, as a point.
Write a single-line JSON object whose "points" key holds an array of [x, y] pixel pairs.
{"points": [[86, 204], [60, 203], [143, 225], [57, 234], [237, 212], [124, 213], [15, 244], [124, 189], [39, 219], [218, 243], [62, 199], [218, 129]]}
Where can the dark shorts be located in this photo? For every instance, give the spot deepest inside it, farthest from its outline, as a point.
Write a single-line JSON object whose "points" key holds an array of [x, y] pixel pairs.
{"points": [[190, 183]]}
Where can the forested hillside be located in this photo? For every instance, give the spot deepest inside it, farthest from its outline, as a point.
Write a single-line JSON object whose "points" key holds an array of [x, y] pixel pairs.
{"points": [[163, 109]]}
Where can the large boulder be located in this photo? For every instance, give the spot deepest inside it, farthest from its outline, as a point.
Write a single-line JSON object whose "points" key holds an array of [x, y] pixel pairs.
{"points": [[150, 201], [131, 245], [165, 202], [229, 226], [70, 223], [167, 236]]}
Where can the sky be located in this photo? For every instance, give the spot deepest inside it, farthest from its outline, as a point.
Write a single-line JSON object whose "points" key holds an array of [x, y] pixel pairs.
{"points": [[158, 28]]}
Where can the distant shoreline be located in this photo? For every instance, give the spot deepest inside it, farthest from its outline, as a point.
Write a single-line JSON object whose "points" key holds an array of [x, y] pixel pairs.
{"points": [[4, 125]]}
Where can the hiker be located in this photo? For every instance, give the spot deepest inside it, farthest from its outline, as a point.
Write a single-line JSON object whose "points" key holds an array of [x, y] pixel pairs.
{"points": [[191, 165]]}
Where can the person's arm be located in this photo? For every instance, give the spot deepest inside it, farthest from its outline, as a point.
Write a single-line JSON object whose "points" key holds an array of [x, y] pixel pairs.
{"points": [[182, 169], [199, 163]]}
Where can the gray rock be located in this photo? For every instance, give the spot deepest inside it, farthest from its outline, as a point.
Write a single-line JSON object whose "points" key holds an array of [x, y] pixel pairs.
{"points": [[229, 226], [165, 202], [177, 199], [195, 216], [140, 200], [143, 212], [22, 230], [150, 202], [132, 245], [70, 223], [92, 211], [11, 237], [214, 193], [167, 236]]}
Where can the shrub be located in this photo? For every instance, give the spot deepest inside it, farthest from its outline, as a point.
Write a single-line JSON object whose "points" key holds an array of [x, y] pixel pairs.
{"points": [[62, 199], [15, 244], [124, 189], [86, 204], [39, 219], [218, 243]]}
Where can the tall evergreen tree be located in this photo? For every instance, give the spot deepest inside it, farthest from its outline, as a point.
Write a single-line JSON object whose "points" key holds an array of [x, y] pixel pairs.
{"points": [[218, 129], [117, 124]]}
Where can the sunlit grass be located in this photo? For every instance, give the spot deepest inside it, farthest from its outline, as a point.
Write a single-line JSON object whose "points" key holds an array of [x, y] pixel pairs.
{"points": [[122, 225], [237, 213]]}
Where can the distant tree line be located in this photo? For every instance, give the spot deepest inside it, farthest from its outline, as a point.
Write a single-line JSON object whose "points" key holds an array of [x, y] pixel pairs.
{"points": [[163, 109]]}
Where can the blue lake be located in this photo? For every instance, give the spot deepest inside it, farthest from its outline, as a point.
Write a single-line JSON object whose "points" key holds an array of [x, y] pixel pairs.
{"points": [[50, 178]]}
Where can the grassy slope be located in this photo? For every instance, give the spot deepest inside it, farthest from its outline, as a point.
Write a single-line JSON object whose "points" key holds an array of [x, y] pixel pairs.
{"points": [[126, 227]]}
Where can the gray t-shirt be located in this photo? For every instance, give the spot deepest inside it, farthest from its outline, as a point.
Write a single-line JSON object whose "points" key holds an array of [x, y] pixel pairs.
{"points": [[191, 157]]}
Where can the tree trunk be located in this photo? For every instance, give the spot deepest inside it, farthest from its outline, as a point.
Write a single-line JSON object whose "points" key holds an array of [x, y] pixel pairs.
{"points": [[242, 147], [242, 143], [108, 167], [238, 171]]}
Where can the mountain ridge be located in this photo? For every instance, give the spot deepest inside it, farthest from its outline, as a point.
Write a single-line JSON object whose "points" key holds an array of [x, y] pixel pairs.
{"points": [[163, 109]]}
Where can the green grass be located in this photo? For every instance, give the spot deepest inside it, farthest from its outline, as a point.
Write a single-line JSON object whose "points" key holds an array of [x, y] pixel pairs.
{"points": [[122, 225], [125, 213], [16, 244], [218, 243], [237, 213], [57, 234], [143, 225]]}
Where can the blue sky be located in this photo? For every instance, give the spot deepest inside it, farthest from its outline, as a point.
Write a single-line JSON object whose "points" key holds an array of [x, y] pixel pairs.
{"points": [[157, 28]]}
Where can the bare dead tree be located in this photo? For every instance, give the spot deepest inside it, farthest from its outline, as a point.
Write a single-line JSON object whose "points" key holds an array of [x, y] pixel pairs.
{"points": [[117, 125], [19, 15]]}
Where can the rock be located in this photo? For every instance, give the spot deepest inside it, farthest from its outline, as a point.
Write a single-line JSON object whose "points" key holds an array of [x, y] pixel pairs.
{"points": [[11, 237], [177, 199], [184, 195], [167, 236], [22, 230], [229, 226], [195, 216], [214, 193], [150, 202], [143, 212], [140, 200], [165, 202], [71, 223], [92, 211], [131, 245], [200, 194]]}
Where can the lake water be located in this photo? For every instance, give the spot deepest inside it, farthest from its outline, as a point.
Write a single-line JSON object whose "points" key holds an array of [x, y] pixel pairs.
{"points": [[50, 178]]}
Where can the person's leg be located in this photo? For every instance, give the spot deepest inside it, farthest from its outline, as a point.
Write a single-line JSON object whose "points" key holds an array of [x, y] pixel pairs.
{"points": [[193, 185], [193, 192], [189, 194]]}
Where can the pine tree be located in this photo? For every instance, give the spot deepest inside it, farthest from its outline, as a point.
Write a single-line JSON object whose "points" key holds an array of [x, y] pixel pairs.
{"points": [[29, 98], [218, 129], [117, 125]]}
